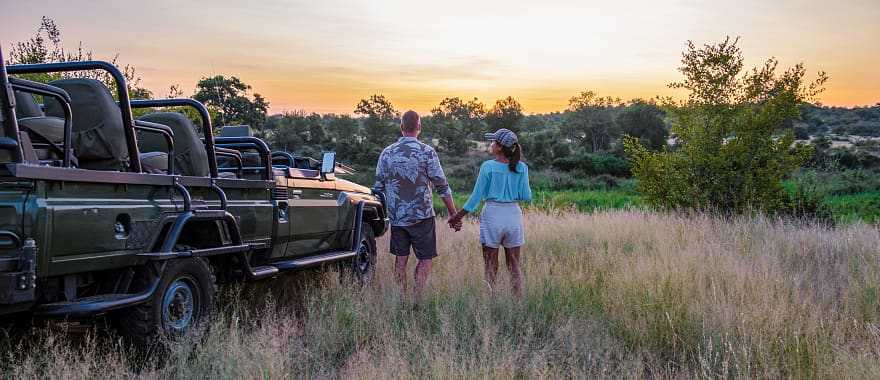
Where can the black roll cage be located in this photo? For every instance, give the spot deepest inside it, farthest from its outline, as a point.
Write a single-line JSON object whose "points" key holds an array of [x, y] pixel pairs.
{"points": [[207, 129], [121, 91], [63, 98]]}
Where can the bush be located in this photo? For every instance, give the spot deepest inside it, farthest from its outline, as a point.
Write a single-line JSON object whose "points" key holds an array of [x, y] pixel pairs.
{"points": [[806, 199], [593, 164], [729, 157]]}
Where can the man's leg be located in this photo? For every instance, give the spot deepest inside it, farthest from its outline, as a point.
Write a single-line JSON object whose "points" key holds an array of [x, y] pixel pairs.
{"points": [[424, 243], [490, 258], [511, 256], [423, 268], [400, 271], [400, 248]]}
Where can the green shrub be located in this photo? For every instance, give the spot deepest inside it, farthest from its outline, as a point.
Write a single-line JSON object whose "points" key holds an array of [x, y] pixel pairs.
{"points": [[593, 164], [729, 156], [806, 199]]}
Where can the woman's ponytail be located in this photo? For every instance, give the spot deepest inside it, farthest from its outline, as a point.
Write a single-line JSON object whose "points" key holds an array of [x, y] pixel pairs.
{"points": [[513, 154]]}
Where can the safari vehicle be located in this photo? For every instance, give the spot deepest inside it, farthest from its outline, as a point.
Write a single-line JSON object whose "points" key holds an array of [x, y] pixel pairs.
{"points": [[105, 214]]}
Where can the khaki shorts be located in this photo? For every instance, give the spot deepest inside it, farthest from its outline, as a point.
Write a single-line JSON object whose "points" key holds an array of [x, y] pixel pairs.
{"points": [[501, 224]]}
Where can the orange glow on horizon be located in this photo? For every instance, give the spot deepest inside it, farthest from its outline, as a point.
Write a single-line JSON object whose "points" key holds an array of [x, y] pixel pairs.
{"points": [[324, 57]]}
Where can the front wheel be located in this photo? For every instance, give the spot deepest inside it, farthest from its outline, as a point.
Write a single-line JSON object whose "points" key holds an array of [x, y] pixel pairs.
{"points": [[184, 299], [362, 268]]}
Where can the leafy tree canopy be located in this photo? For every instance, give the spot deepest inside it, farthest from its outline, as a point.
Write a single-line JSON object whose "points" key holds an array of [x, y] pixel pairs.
{"points": [[506, 113], [228, 97], [731, 155], [47, 46]]}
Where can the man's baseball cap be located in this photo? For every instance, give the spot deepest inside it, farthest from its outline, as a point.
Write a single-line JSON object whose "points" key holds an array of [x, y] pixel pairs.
{"points": [[503, 136]]}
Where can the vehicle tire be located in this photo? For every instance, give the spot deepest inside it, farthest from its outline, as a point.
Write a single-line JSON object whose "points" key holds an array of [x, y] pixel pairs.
{"points": [[362, 268], [184, 300]]}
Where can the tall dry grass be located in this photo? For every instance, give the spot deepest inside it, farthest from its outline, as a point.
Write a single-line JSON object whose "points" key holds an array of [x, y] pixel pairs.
{"points": [[609, 294]]}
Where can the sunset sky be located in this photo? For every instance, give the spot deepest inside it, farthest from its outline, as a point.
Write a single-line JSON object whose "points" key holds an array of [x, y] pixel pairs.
{"points": [[323, 56]]}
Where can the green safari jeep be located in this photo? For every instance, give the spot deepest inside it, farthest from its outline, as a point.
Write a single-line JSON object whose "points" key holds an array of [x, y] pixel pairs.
{"points": [[140, 219]]}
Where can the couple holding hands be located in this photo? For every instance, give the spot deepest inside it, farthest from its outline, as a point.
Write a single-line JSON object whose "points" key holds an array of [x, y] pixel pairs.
{"points": [[408, 171]]}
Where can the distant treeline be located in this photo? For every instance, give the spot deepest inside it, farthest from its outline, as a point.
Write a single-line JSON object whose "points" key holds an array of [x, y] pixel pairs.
{"points": [[583, 138]]}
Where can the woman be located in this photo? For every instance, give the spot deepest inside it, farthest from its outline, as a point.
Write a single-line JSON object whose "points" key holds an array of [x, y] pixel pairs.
{"points": [[502, 183]]}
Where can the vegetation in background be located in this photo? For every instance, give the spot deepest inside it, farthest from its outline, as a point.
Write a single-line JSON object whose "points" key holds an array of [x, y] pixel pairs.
{"points": [[228, 96], [47, 46], [575, 150], [456, 124], [732, 151], [506, 113]]}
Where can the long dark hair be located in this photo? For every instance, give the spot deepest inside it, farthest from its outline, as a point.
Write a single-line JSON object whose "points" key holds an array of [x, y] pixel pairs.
{"points": [[513, 154]]}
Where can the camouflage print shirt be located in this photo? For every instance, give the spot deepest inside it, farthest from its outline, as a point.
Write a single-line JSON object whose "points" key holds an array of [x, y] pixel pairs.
{"points": [[406, 172]]}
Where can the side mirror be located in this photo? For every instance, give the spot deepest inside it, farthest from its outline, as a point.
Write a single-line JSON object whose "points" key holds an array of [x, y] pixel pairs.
{"points": [[328, 163]]}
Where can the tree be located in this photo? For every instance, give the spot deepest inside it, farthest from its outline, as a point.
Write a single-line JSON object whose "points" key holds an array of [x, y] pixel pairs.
{"points": [[506, 113], [345, 133], [589, 121], [456, 123], [229, 98], [379, 124], [299, 132], [46, 46], [730, 154], [644, 121]]}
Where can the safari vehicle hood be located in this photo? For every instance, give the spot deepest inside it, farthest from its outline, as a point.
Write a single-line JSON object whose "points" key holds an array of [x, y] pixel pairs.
{"points": [[344, 185]]}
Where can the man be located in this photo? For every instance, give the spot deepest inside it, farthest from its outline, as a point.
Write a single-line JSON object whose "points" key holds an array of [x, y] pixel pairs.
{"points": [[406, 172]]}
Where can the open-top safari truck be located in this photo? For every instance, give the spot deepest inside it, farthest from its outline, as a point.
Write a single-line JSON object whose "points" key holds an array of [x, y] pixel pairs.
{"points": [[102, 213]]}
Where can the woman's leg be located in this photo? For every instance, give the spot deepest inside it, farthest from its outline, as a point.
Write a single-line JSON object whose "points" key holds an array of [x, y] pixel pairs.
{"points": [[511, 256], [490, 257]]}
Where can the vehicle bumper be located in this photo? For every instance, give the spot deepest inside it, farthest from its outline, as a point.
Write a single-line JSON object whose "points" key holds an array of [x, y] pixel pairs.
{"points": [[385, 221], [18, 280]]}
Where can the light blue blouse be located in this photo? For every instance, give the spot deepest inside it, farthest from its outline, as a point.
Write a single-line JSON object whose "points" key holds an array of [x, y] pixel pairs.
{"points": [[497, 183]]}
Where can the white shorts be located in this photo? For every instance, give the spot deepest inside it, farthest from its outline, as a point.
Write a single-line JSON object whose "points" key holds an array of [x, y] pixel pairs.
{"points": [[501, 224]]}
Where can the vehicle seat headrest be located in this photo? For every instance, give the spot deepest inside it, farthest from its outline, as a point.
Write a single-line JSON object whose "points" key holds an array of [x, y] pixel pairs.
{"points": [[190, 156], [26, 105], [98, 131]]}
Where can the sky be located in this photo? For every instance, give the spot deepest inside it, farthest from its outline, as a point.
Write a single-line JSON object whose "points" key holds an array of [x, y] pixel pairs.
{"points": [[323, 56]]}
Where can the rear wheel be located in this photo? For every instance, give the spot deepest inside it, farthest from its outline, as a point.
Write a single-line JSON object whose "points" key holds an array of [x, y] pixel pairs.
{"points": [[362, 268], [184, 300]]}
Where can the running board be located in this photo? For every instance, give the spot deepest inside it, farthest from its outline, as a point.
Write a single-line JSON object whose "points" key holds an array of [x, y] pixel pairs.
{"points": [[311, 261], [88, 306]]}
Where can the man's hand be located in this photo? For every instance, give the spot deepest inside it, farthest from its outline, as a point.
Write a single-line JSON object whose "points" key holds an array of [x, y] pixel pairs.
{"points": [[450, 210], [455, 220], [455, 224]]}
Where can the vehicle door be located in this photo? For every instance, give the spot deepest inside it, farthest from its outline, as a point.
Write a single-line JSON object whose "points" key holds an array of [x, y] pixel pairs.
{"points": [[90, 224], [314, 204]]}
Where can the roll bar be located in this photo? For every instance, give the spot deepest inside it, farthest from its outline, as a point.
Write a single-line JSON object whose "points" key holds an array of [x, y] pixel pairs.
{"points": [[121, 90], [291, 161], [207, 129], [163, 130], [7, 115], [63, 99], [251, 143]]}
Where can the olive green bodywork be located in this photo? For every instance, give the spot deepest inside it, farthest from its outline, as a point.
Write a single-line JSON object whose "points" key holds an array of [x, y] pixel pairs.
{"points": [[72, 240], [87, 230]]}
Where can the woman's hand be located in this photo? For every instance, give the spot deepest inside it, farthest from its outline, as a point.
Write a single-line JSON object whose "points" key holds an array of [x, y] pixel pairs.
{"points": [[455, 221], [455, 224]]}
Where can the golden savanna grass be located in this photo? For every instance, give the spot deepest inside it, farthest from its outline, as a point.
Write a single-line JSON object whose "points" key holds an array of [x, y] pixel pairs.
{"points": [[608, 294]]}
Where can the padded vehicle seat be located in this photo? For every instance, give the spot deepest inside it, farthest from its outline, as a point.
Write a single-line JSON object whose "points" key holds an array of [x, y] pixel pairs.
{"points": [[44, 128], [155, 162], [41, 129], [98, 134], [26, 105], [190, 156]]}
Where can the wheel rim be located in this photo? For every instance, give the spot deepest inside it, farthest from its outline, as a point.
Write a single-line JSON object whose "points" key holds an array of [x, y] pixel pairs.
{"points": [[179, 305], [363, 261]]}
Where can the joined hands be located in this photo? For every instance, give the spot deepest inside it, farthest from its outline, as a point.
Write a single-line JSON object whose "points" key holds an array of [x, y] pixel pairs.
{"points": [[455, 220]]}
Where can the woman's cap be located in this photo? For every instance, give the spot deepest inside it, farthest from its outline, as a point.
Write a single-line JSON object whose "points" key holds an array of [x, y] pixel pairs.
{"points": [[503, 136]]}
